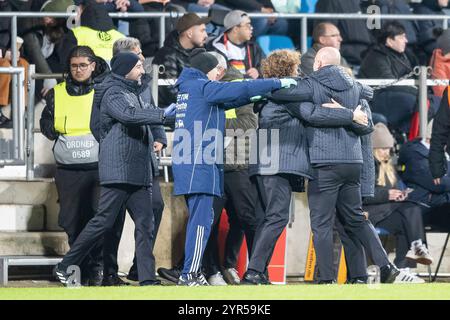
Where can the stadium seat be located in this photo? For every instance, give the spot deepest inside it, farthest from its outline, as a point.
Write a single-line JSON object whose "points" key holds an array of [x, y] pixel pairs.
{"points": [[272, 42], [308, 6]]}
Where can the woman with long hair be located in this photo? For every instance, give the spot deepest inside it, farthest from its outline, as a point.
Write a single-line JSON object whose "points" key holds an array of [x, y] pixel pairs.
{"points": [[390, 209]]}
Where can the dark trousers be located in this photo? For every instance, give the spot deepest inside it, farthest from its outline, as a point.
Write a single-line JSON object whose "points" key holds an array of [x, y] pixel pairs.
{"points": [[337, 189], [355, 256], [112, 236], [240, 200], [78, 192], [113, 198], [406, 224], [274, 198], [438, 217]]}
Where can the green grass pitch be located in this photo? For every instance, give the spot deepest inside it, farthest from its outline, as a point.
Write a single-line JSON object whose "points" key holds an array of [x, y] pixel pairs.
{"points": [[440, 291]]}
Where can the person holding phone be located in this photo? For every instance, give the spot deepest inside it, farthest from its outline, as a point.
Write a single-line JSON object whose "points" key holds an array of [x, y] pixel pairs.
{"points": [[391, 209]]}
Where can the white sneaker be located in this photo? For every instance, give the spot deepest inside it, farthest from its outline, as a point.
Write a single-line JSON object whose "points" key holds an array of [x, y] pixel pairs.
{"points": [[231, 276], [217, 280], [406, 277], [419, 253]]}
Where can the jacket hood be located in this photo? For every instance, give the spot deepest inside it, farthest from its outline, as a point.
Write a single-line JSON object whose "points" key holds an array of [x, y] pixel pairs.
{"points": [[333, 77], [96, 17], [190, 74]]}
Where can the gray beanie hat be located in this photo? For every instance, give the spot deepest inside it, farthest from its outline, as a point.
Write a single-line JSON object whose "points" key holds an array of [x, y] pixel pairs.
{"points": [[381, 137]]}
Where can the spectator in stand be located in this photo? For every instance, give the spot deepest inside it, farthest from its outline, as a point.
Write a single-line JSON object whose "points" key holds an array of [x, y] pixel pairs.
{"points": [[202, 5], [429, 30], [116, 5], [390, 208], [440, 61], [261, 26], [96, 30], [5, 83], [147, 29], [236, 45], [190, 33], [414, 157], [355, 34], [5, 27], [390, 59], [397, 7], [325, 34]]}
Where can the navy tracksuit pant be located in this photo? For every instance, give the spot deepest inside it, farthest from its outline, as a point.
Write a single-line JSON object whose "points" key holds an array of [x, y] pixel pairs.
{"points": [[201, 216]]}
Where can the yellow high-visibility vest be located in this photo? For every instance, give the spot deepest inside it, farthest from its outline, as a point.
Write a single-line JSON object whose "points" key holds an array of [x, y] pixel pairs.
{"points": [[72, 113], [101, 42], [231, 113]]}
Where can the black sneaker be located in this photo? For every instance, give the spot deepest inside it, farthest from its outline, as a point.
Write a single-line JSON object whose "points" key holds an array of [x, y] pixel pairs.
{"points": [[5, 122], [60, 273], [188, 280], [254, 278], [95, 278], [326, 282], [113, 280], [172, 275], [357, 280], [201, 279], [150, 283], [133, 276], [388, 273]]}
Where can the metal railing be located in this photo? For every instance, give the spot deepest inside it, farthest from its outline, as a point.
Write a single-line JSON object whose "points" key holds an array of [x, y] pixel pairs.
{"points": [[18, 110], [18, 76], [162, 16], [422, 83]]}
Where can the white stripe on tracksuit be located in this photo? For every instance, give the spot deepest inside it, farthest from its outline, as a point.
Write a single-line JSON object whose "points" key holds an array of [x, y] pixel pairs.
{"points": [[197, 258]]}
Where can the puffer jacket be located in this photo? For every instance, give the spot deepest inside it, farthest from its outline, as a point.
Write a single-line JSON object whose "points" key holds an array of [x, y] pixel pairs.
{"points": [[441, 70], [174, 58], [427, 34], [125, 138]]}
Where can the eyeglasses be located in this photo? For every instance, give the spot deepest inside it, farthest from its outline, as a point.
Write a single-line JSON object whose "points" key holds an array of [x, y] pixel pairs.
{"points": [[81, 66]]}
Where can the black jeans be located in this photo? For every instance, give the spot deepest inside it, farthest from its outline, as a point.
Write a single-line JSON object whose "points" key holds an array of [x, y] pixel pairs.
{"points": [[337, 189], [78, 192], [112, 236], [113, 198], [274, 200]]}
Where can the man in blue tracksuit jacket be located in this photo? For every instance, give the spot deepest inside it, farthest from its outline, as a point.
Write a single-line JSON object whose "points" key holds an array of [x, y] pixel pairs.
{"points": [[198, 147]]}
